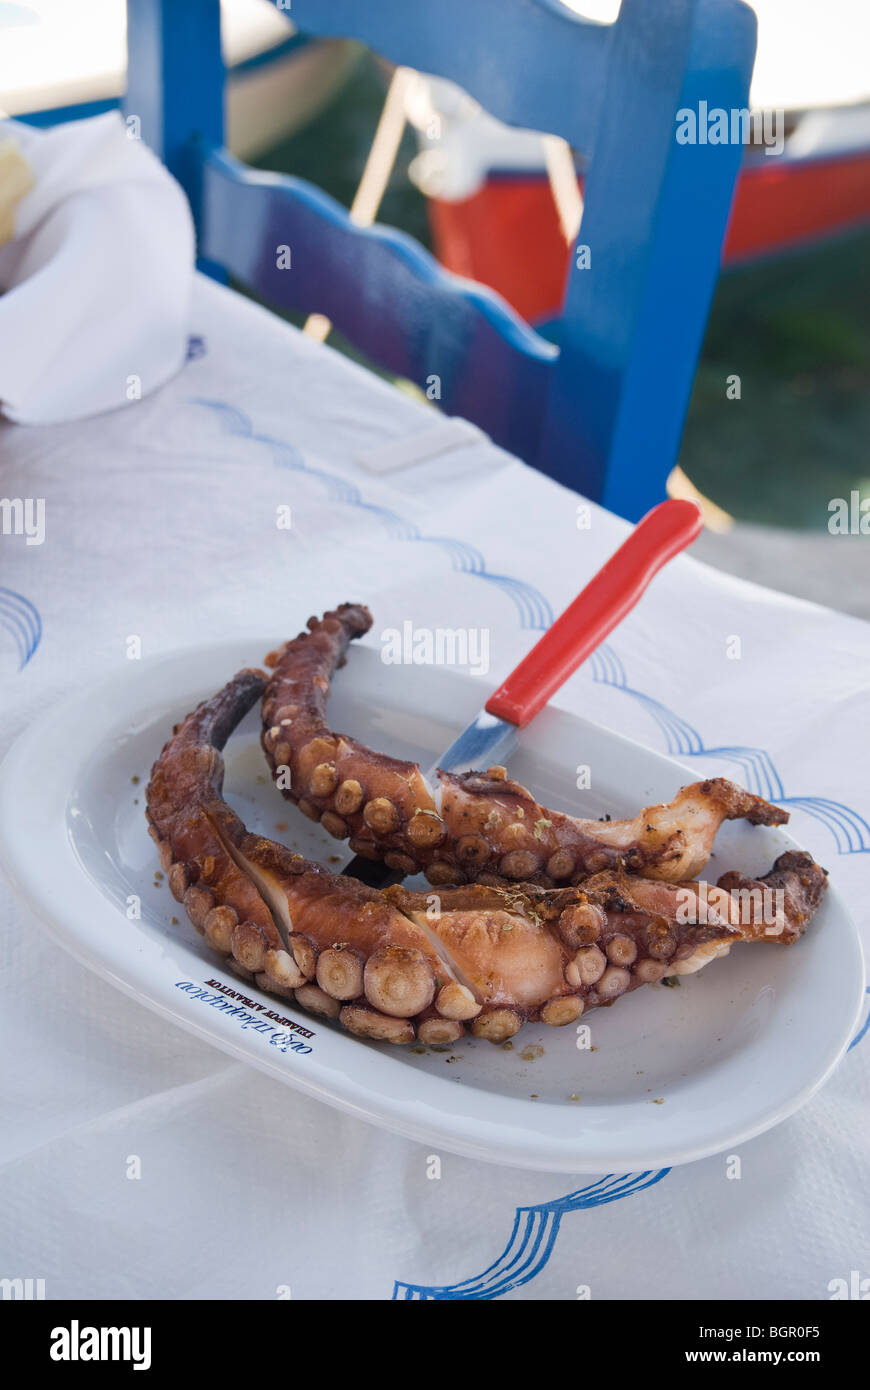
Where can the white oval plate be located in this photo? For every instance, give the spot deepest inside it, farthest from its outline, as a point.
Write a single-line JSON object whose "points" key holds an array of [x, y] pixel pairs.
{"points": [[673, 1074]]}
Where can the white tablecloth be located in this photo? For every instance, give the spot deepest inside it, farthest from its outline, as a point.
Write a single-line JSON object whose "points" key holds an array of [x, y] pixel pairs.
{"points": [[160, 521]]}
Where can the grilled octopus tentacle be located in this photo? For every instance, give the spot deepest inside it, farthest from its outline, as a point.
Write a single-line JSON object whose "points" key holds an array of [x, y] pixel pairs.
{"points": [[394, 964], [220, 901], [477, 826]]}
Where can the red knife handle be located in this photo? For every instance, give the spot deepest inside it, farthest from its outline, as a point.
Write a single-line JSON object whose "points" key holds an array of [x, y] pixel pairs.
{"points": [[595, 612]]}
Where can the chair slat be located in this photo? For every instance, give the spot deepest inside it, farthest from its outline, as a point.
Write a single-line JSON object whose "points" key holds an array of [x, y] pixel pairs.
{"points": [[604, 413], [655, 214], [531, 63], [387, 295]]}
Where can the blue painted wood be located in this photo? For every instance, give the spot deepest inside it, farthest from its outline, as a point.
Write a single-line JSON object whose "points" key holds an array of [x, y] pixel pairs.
{"points": [[58, 115], [529, 62], [654, 220], [604, 414], [383, 292], [175, 81]]}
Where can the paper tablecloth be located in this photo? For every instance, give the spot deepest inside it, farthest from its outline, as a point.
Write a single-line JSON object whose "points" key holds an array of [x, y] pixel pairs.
{"points": [[159, 520]]}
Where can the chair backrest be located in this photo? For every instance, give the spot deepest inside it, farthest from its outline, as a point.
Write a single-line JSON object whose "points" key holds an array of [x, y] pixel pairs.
{"points": [[603, 411]]}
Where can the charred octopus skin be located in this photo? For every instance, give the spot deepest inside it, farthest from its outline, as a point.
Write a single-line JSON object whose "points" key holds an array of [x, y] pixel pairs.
{"points": [[395, 965], [477, 827]]}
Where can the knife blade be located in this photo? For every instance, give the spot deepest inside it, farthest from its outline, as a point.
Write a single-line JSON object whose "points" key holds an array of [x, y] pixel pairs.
{"points": [[594, 613], [487, 740]]}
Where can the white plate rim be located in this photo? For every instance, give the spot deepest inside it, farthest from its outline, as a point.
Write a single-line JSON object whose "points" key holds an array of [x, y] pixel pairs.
{"points": [[26, 798]]}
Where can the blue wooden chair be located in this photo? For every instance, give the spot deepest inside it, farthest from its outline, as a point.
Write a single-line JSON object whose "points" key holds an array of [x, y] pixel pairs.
{"points": [[603, 412]]}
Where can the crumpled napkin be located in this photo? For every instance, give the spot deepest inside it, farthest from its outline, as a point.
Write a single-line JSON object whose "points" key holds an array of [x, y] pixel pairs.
{"points": [[96, 265]]}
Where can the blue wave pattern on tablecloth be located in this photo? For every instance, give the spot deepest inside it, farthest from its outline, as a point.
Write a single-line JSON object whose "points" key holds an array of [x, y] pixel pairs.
{"points": [[535, 1230], [531, 1241], [862, 1031], [758, 773], [849, 829], [534, 610], [20, 618]]}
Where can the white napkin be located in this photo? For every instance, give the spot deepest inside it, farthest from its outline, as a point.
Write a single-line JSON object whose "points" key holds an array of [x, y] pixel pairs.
{"points": [[97, 275]]}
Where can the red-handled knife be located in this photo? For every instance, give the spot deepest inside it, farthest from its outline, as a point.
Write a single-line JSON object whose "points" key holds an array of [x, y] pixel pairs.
{"points": [[595, 612]]}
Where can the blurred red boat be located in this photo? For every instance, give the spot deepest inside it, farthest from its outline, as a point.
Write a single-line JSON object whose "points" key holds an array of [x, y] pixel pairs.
{"points": [[494, 217]]}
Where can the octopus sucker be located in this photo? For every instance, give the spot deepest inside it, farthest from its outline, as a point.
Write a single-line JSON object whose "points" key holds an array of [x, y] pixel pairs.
{"points": [[472, 827], [216, 895], [506, 831], [394, 965]]}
